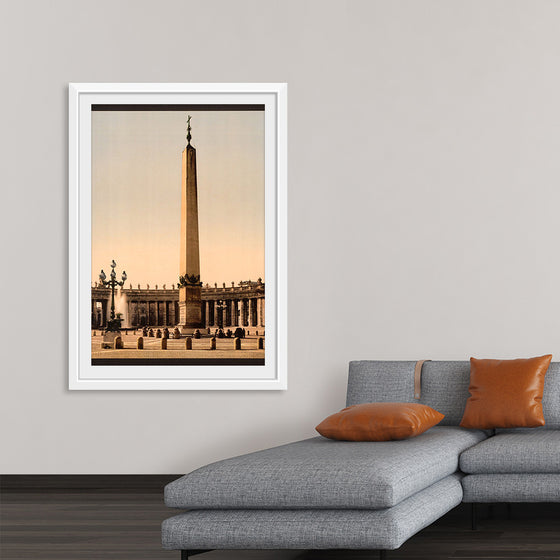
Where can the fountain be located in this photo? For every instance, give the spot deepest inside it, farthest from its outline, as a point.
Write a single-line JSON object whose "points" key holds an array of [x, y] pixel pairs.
{"points": [[121, 308]]}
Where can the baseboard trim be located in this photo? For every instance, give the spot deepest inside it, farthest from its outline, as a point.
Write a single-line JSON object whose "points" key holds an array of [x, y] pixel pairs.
{"points": [[119, 482]]}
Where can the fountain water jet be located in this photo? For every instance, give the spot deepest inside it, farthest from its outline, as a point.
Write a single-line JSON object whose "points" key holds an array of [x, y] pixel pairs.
{"points": [[121, 307]]}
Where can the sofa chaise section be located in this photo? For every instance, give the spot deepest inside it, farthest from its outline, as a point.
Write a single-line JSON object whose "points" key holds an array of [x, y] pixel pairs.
{"points": [[386, 528], [319, 473]]}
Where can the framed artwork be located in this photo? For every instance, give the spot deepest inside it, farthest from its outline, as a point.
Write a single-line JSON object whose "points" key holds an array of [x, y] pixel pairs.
{"points": [[177, 236]]}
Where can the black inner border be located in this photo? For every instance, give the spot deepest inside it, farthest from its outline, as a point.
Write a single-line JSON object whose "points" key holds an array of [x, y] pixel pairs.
{"points": [[159, 107], [177, 361]]}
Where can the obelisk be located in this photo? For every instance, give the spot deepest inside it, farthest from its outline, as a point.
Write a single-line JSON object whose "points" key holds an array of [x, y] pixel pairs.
{"points": [[190, 286]]}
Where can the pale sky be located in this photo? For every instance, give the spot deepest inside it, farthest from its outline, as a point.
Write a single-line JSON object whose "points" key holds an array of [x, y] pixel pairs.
{"points": [[136, 194]]}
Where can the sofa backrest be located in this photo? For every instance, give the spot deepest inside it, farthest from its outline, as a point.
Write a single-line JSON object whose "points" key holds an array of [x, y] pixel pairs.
{"points": [[445, 387]]}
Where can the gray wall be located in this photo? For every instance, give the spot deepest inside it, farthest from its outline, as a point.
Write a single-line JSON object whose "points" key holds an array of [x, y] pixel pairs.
{"points": [[423, 201]]}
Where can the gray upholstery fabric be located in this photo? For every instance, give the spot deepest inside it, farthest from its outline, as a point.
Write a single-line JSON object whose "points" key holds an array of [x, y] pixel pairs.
{"points": [[531, 451], [511, 488], [375, 381], [322, 473], [551, 396], [444, 387], [312, 529]]}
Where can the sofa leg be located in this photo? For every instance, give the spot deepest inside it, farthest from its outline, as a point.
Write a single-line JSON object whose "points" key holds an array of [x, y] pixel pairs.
{"points": [[186, 554], [508, 509], [473, 517]]}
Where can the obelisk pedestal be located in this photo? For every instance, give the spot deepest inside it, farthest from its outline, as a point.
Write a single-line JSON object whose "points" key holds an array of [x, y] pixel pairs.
{"points": [[190, 286]]}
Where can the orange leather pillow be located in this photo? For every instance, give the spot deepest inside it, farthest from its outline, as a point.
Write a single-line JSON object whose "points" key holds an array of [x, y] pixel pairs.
{"points": [[382, 421], [506, 393]]}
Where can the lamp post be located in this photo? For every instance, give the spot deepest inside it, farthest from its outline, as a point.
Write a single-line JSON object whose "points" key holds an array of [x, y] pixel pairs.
{"points": [[115, 323]]}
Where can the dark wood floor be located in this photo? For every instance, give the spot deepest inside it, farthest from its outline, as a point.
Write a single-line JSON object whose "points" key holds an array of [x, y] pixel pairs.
{"points": [[91, 524]]}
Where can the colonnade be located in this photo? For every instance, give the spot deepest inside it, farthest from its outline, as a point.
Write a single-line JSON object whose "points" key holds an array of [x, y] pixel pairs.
{"points": [[99, 313], [155, 313], [234, 312], [238, 306]]}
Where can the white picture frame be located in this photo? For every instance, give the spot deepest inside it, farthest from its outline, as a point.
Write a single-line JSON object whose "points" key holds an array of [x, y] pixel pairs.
{"points": [[85, 376]]}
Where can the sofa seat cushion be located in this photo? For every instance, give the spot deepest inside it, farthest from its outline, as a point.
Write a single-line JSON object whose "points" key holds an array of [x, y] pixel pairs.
{"points": [[523, 451], [312, 529], [319, 473], [492, 488]]}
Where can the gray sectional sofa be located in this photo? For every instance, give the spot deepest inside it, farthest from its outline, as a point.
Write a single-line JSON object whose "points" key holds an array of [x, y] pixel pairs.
{"points": [[325, 494]]}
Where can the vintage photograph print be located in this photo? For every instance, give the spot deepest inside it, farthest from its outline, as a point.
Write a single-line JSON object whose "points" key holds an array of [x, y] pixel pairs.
{"points": [[177, 236], [178, 251]]}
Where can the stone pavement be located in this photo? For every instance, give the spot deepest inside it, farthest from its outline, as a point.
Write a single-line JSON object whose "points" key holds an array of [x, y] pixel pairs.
{"points": [[176, 348]]}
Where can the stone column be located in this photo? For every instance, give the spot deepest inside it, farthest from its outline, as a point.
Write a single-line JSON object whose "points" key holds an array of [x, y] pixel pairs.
{"points": [[172, 320], [203, 313], [227, 322], [259, 312], [104, 310], [207, 314], [251, 310]]}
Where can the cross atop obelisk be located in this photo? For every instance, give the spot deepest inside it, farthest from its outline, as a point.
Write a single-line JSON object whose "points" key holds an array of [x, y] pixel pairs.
{"points": [[190, 286], [189, 130]]}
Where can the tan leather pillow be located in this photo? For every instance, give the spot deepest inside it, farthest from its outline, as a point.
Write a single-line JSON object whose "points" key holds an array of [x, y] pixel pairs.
{"points": [[379, 421], [506, 393]]}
